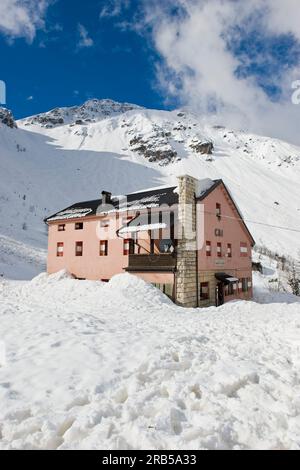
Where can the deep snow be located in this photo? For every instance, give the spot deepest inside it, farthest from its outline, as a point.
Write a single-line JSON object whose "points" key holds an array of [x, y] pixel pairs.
{"points": [[118, 366]]}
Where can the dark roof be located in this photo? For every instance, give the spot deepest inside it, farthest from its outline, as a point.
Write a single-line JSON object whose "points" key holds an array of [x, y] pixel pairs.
{"points": [[134, 201], [141, 200]]}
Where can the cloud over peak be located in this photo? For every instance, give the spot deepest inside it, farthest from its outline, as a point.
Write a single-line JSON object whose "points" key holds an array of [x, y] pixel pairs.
{"points": [[230, 59]]}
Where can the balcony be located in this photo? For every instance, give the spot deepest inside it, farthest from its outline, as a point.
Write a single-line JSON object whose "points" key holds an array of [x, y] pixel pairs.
{"points": [[165, 262]]}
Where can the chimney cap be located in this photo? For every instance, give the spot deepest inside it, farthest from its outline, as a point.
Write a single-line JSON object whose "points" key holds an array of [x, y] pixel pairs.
{"points": [[106, 197], [185, 176]]}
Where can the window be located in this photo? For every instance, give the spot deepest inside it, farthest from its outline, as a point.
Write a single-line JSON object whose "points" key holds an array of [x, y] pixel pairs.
{"points": [[167, 289], [229, 250], [229, 289], [218, 210], [103, 248], [79, 226], [104, 223], [62, 227], [128, 247], [245, 284], [208, 248], [244, 249], [60, 250], [152, 246], [79, 249], [166, 246], [219, 250], [204, 291]]}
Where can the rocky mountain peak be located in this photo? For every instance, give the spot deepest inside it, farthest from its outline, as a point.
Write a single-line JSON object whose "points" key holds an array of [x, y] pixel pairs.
{"points": [[91, 111], [7, 118]]}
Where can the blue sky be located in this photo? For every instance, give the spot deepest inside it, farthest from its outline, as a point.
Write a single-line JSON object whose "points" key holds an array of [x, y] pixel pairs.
{"points": [[231, 59], [54, 70]]}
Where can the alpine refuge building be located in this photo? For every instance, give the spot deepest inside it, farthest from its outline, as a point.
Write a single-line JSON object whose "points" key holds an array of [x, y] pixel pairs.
{"points": [[188, 240]]}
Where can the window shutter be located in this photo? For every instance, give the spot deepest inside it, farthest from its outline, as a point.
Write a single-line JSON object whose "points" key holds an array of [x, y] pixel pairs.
{"points": [[79, 249], [208, 248], [229, 250], [60, 249], [103, 248], [244, 249]]}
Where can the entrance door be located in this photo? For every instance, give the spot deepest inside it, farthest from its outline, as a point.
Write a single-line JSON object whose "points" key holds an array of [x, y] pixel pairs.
{"points": [[219, 294]]}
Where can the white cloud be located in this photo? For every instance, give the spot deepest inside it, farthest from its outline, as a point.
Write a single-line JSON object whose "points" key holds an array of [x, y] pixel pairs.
{"points": [[284, 16], [85, 39], [22, 18], [199, 69], [113, 8], [29, 98]]}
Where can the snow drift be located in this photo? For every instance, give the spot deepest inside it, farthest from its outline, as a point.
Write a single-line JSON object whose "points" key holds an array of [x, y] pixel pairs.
{"points": [[117, 366]]}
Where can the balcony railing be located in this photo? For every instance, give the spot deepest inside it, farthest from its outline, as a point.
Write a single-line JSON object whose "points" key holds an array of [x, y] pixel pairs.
{"points": [[160, 262]]}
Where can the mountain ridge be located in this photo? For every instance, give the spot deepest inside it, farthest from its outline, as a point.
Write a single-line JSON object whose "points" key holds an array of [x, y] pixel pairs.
{"points": [[90, 111]]}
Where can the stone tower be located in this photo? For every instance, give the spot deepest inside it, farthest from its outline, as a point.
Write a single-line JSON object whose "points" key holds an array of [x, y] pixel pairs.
{"points": [[186, 277]]}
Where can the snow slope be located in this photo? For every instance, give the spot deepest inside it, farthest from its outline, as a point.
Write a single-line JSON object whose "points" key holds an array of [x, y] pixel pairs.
{"points": [[71, 154], [118, 366]]}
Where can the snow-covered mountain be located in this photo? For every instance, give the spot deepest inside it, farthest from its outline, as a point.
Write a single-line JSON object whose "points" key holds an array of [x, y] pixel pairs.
{"points": [[69, 154], [90, 111]]}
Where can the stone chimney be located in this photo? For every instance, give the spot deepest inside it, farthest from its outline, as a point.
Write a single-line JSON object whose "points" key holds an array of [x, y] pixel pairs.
{"points": [[186, 277], [106, 197]]}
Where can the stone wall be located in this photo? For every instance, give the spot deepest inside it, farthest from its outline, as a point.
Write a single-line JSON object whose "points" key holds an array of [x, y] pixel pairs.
{"points": [[186, 277], [209, 276]]}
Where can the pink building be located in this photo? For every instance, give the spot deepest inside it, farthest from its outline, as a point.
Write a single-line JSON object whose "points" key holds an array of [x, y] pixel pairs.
{"points": [[190, 241]]}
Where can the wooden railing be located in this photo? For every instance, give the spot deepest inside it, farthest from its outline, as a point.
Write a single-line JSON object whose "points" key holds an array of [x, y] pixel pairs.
{"points": [[159, 262]]}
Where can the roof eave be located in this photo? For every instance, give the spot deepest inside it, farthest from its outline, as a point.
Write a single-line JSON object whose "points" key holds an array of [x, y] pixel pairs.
{"points": [[210, 190]]}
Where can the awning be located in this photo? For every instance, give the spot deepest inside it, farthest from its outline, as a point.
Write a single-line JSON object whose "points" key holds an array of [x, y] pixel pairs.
{"points": [[226, 278], [143, 223], [141, 228]]}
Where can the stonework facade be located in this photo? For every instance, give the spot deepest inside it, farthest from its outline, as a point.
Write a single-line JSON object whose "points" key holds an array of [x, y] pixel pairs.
{"points": [[186, 276]]}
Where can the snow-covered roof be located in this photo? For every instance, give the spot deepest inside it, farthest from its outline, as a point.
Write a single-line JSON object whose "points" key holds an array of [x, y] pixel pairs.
{"points": [[131, 202], [71, 214], [202, 186], [146, 199]]}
